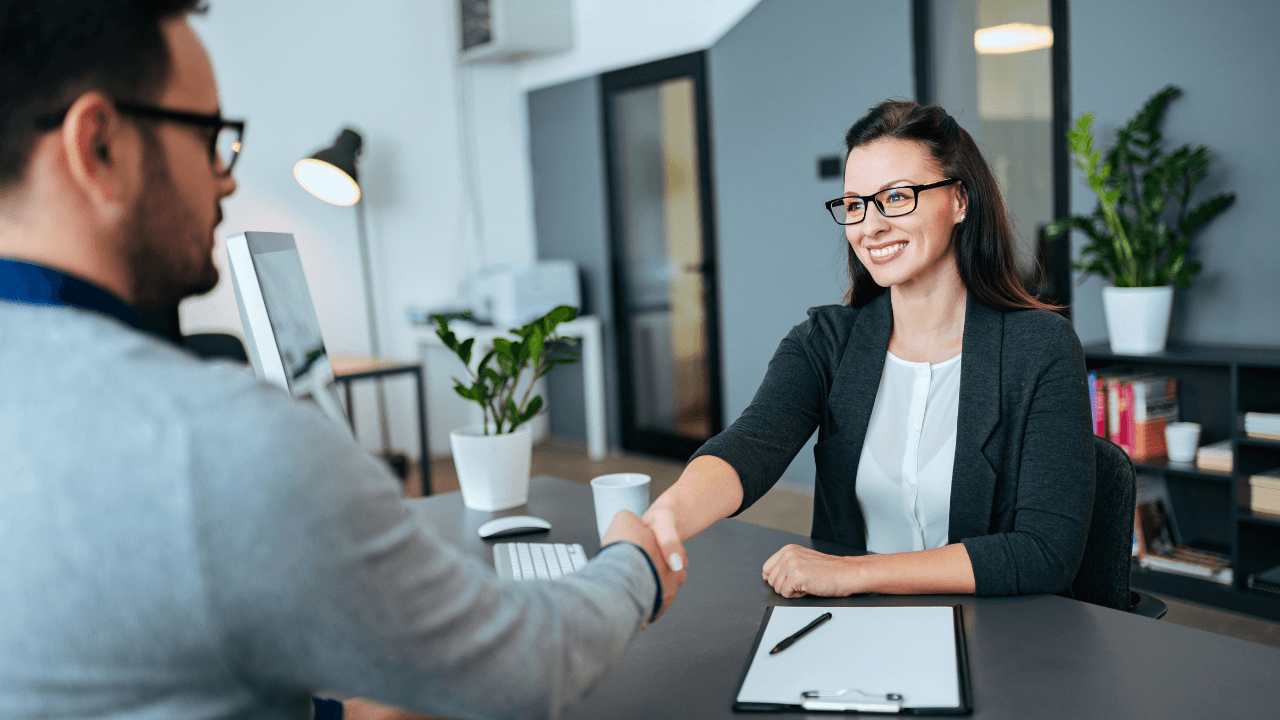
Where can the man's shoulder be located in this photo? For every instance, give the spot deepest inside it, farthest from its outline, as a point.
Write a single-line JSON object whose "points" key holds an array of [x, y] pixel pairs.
{"points": [[102, 362]]}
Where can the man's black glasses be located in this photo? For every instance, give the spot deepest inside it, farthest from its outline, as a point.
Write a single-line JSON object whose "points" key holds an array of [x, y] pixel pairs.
{"points": [[225, 138], [893, 202]]}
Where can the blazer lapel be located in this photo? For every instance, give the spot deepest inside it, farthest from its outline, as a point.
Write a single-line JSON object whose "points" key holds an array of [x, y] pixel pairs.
{"points": [[836, 514], [853, 391], [974, 476]]}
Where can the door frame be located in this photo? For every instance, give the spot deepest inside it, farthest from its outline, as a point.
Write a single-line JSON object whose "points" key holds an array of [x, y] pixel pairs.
{"points": [[692, 65]]}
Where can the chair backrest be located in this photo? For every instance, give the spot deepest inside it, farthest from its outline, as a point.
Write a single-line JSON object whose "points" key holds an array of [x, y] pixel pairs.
{"points": [[216, 345], [1103, 578]]}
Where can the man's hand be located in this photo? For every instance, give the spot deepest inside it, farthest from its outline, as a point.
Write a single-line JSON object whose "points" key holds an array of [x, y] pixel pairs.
{"points": [[627, 527], [357, 709], [794, 571]]}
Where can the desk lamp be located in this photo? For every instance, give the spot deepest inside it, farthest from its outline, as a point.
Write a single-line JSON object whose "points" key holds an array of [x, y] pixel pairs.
{"points": [[330, 174]]}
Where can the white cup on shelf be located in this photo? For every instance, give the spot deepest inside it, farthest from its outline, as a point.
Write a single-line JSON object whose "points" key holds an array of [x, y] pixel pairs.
{"points": [[1182, 439], [617, 492]]}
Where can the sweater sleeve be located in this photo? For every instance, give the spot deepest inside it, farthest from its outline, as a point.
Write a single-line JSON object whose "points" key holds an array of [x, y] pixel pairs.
{"points": [[318, 575], [785, 411], [1054, 498]]}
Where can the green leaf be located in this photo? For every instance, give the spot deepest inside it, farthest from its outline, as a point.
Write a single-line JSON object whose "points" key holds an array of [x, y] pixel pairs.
{"points": [[503, 347], [1205, 212], [464, 351]]}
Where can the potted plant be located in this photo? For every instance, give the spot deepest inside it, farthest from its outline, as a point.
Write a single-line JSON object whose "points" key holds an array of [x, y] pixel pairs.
{"points": [[1140, 231], [492, 459]]}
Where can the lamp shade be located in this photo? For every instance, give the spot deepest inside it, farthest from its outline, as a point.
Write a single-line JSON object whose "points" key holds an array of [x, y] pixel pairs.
{"points": [[331, 173]]}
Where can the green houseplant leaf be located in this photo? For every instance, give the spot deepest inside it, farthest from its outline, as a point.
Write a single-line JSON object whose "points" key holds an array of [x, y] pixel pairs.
{"points": [[1139, 233], [496, 379]]}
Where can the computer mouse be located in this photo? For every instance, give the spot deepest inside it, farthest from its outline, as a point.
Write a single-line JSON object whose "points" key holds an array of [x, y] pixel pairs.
{"points": [[513, 525]]}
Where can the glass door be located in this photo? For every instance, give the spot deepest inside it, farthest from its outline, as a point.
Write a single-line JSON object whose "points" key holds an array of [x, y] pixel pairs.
{"points": [[998, 66], [663, 255]]}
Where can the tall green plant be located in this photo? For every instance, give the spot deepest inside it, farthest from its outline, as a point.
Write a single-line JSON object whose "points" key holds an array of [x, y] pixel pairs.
{"points": [[495, 380], [1138, 237]]}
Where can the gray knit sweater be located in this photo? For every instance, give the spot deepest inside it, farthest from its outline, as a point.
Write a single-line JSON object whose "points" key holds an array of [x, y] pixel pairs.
{"points": [[178, 540]]}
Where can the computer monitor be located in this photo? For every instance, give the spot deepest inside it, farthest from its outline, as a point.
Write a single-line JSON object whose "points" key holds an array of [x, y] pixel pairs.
{"points": [[282, 333]]}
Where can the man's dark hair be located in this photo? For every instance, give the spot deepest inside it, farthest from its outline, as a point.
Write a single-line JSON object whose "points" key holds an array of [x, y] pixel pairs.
{"points": [[53, 51]]}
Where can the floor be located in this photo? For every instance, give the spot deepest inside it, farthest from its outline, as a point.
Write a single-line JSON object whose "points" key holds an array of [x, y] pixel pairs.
{"points": [[792, 511]]}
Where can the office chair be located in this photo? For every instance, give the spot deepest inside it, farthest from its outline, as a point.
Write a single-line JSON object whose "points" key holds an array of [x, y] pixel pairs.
{"points": [[216, 345], [1103, 578]]}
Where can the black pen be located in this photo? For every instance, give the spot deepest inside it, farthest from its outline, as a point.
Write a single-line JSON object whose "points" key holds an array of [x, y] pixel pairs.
{"points": [[788, 642]]}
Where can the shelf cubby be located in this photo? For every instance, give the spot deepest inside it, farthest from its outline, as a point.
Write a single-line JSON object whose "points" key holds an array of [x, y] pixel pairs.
{"points": [[1217, 385]]}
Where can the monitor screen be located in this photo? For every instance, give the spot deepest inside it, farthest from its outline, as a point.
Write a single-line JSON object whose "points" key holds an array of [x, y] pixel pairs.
{"points": [[280, 324]]}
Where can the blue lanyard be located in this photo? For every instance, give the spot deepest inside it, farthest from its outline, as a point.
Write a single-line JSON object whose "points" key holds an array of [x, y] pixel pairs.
{"points": [[28, 284]]}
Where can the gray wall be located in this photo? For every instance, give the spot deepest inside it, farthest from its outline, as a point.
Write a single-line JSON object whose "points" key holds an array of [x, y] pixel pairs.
{"points": [[571, 217], [1224, 56], [785, 84]]}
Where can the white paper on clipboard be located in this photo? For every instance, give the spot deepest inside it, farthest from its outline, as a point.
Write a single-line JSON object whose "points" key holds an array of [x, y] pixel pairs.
{"points": [[878, 651]]}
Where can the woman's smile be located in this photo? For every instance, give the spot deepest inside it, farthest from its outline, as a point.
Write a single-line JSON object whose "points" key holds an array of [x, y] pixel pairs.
{"points": [[887, 253]]}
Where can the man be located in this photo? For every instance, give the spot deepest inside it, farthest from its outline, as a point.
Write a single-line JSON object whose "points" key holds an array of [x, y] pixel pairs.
{"points": [[177, 540]]}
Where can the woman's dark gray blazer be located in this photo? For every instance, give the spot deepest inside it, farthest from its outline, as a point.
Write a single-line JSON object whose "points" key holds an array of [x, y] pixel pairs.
{"points": [[1022, 485]]}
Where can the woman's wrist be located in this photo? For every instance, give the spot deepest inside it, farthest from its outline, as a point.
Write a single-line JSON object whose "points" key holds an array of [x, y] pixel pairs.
{"points": [[858, 570]]}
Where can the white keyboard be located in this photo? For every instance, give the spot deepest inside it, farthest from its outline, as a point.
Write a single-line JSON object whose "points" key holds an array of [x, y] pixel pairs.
{"points": [[537, 561]]}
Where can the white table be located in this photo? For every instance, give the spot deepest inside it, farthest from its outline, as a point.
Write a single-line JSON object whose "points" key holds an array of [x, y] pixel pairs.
{"points": [[585, 328]]}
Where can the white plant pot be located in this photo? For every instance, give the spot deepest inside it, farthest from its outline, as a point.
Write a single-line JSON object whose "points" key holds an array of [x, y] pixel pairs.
{"points": [[493, 470], [1137, 318]]}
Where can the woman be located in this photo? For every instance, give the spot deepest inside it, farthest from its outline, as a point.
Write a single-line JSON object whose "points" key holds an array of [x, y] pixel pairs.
{"points": [[952, 410]]}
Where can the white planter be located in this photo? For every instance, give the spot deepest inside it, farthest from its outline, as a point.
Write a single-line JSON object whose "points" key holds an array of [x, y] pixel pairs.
{"points": [[1137, 318], [493, 470]]}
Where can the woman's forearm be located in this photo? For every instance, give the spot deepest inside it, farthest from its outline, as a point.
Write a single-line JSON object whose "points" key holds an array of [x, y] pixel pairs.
{"points": [[944, 570], [708, 490], [796, 570]]}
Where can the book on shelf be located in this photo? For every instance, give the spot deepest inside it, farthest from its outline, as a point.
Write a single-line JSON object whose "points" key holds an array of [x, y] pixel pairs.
{"points": [[1097, 402], [1154, 538], [1262, 425], [1267, 581], [1138, 408], [1264, 491], [1215, 456]]}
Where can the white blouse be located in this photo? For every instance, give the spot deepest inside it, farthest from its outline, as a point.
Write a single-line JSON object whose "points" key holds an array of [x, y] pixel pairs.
{"points": [[904, 475]]}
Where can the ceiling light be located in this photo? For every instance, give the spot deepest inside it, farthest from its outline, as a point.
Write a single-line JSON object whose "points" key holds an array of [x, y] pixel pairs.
{"points": [[1012, 38]]}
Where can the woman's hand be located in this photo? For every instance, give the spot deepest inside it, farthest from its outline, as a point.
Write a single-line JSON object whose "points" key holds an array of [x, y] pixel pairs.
{"points": [[661, 520], [794, 571]]}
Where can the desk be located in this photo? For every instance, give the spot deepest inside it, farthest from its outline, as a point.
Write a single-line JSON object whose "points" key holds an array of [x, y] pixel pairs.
{"points": [[585, 328], [1037, 656], [349, 368]]}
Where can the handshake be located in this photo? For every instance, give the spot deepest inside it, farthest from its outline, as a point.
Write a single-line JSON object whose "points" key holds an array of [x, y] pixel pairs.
{"points": [[656, 534]]}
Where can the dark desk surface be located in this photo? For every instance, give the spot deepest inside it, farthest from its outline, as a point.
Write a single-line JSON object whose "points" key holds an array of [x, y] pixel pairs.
{"points": [[1030, 657]]}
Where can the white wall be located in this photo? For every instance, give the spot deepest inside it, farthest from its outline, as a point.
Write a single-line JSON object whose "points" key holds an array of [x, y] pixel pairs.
{"points": [[445, 168], [608, 35], [385, 67]]}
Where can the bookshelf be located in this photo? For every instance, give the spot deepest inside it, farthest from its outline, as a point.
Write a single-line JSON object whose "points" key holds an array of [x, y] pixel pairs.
{"points": [[1217, 385]]}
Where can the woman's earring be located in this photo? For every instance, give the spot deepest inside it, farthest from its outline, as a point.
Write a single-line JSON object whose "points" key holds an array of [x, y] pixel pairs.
{"points": [[962, 217]]}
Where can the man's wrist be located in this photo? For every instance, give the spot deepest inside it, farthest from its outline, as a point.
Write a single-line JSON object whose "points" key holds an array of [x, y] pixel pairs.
{"points": [[326, 709], [657, 579]]}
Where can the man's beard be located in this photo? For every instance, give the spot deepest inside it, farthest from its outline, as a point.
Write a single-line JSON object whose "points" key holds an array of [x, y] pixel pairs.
{"points": [[161, 230]]}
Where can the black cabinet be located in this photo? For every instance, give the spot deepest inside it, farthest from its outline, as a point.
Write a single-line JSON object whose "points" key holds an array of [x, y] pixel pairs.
{"points": [[1217, 385]]}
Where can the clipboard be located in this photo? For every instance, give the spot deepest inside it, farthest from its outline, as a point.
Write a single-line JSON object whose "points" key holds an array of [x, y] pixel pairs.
{"points": [[900, 660]]}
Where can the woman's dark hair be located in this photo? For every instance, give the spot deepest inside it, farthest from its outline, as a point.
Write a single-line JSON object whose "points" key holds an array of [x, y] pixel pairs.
{"points": [[53, 51], [986, 254]]}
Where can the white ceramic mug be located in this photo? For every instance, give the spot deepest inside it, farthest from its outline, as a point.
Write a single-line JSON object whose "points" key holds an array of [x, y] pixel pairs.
{"points": [[1182, 439], [617, 492]]}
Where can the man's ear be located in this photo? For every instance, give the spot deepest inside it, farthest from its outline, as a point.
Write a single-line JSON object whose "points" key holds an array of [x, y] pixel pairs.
{"points": [[103, 156]]}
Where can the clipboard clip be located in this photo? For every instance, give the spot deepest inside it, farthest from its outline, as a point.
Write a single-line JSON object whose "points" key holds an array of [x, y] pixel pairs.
{"points": [[850, 699]]}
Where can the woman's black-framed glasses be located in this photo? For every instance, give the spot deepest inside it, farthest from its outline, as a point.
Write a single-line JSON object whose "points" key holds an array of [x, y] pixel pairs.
{"points": [[892, 202], [226, 137]]}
